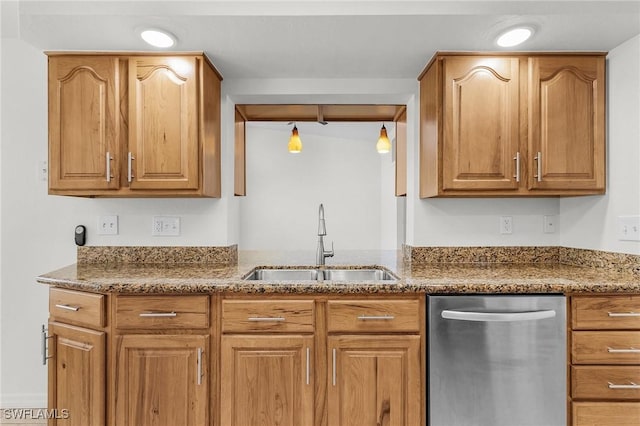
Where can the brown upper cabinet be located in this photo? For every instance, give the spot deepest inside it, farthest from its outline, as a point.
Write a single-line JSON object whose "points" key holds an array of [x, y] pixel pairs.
{"points": [[512, 125], [133, 125]]}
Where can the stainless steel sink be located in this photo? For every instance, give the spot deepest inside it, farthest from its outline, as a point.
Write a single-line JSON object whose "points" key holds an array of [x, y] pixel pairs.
{"points": [[265, 274], [328, 274]]}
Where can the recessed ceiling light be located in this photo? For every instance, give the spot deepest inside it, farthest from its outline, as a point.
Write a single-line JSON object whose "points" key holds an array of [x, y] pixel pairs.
{"points": [[514, 37], [158, 38]]}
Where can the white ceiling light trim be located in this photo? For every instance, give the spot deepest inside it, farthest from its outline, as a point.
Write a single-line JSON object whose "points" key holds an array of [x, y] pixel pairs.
{"points": [[514, 36], [158, 38]]}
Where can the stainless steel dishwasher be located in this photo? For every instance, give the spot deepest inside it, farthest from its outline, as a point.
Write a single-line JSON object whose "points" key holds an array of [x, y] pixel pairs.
{"points": [[497, 361]]}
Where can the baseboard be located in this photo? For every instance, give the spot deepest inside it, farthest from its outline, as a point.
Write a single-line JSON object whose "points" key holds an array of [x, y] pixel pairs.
{"points": [[24, 400]]}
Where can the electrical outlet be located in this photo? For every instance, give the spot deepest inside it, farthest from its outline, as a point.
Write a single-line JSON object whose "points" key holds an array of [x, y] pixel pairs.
{"points": [[549, 224], [165, 226], [506, 224], [108, 225], [43, 170], [629, 228]]}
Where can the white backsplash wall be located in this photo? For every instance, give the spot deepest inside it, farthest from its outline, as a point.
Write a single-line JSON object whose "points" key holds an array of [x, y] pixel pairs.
{"points": [[344, 172], [592, 222]]}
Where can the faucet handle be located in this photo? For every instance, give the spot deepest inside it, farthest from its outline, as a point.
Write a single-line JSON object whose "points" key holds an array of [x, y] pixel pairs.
{"points": [[329, 253]]}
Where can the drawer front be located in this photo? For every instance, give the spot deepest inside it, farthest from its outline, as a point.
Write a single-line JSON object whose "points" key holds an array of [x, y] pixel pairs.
{"points": [[76, 307], [373, 315], [605, 347], [606, 382], [167, 312], [605, 413], [267, 315], [601, 313]]}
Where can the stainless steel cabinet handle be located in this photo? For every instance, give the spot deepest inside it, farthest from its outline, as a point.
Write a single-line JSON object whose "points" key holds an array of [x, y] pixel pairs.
{"points": [[498, 316], [623, 351], [199, 366], [108, 171], [334, 367], [266, 319], [538, 159], [308, 354], [624, 314], [68, 307], [517, 160], [376, 317], [130, 158], [43, 347], [158, 314], [631, 385]]}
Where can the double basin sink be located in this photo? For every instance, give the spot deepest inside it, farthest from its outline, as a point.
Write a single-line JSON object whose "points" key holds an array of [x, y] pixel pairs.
{"points": [[375, 273]]}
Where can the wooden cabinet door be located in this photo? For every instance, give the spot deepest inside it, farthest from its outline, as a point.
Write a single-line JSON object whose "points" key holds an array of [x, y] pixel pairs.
{"points": [[374, 380], [481, 123], [161, 380], [267, 380], [77, 383], [163, 130], [567, 122], [83, 116]]}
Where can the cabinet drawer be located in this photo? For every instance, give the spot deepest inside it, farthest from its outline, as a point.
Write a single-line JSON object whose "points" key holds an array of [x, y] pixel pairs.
{"points": [[76, 307], [601, 313], [605, 382], [373, 315], [606, 413], [162, 312], [605, 347], [267, 315]]}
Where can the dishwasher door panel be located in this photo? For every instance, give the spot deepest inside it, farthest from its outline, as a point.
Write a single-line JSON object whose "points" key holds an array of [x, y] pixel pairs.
{"points": [[497, 361]]}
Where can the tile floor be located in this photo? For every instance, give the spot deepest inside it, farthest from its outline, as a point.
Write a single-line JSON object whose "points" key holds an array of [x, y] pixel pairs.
{"points": [[15, 418]]}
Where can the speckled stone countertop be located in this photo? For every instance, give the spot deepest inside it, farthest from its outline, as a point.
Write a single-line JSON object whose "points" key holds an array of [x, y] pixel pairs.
{"points": [[432, 278]]}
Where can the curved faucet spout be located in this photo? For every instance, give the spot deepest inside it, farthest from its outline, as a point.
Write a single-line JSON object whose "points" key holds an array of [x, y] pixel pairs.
{"points": [[321, 253]]}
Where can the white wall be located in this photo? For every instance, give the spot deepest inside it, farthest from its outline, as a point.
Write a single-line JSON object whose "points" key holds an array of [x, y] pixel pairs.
{"points": [[591, 222], [284, 190]]}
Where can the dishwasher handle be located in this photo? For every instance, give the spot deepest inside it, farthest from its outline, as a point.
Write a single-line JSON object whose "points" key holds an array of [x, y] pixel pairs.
{"points": [[498, 316]]}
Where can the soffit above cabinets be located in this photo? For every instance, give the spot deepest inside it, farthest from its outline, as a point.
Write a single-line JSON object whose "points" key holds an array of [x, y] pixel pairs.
{"points": [[320, 113]]}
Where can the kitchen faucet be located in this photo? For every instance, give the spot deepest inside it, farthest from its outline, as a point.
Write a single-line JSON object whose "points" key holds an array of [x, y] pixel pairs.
{"points": [[321, 254]]}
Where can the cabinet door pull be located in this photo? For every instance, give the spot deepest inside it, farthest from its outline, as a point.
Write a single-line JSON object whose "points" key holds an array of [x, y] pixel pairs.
{"points": [[376, 317], [631, 385], [43, 347], [538, 159], [624, 314], [623, 351], [308, 354], [158, 314], [108, 171], [68, 307], [517, 160], [130, 159], [334, 367], [199, 366], [266, 319]]}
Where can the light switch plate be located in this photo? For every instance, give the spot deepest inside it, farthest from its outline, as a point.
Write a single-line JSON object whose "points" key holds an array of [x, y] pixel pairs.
{"points": [[549, 224], [108, 225]]}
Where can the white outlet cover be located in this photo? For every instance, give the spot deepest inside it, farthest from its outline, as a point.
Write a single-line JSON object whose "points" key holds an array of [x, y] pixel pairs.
{"points": [[549, 224], [629, 228], [506, 224], [165, 226]]}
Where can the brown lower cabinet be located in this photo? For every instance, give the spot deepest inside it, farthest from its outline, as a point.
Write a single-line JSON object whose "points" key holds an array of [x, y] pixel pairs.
{"points": [[605, 360], [76, 375], [373, 380], [161, 380], [236, 360]]}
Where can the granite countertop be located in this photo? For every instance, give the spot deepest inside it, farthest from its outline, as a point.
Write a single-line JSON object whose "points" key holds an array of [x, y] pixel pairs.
{"points": [[432, 278]]}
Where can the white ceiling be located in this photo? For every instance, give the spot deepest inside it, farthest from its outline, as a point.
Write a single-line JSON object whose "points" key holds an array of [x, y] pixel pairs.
{"points": [[321, 39]]}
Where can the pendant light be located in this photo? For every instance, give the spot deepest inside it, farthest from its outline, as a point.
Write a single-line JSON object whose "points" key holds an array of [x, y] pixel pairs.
{"points": [[295, 144], [384, 145]]}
